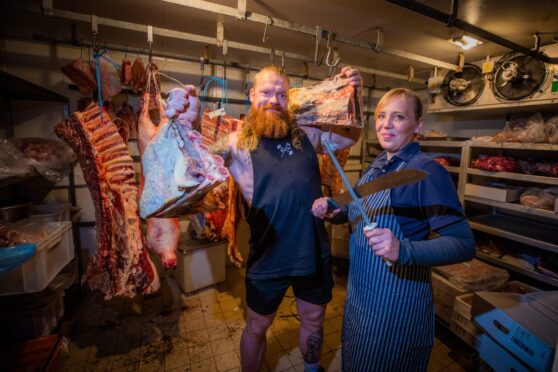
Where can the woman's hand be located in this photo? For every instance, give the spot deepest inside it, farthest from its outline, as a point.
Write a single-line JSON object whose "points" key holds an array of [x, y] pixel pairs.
{"points": [[383, 243], [319, 209], [183, 105]]}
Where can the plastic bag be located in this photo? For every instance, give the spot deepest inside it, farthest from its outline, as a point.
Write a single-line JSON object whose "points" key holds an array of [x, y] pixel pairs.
{"points": [[474, 275], [12, 257], [534, 130], [12, 162], [51, 158], [552, 130], [535, 197]]}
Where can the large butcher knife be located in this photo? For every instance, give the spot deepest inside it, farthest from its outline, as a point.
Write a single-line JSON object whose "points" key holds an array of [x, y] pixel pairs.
{"points": [[387, 181], [369, 189]]}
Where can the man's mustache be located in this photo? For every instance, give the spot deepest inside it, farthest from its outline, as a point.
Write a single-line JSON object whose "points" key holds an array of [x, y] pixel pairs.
{"points": [[270, 106]]}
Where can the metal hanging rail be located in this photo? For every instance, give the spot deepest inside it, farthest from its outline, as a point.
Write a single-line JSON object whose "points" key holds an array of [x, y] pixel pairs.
{"points": [[241, 13], [210, 41]]}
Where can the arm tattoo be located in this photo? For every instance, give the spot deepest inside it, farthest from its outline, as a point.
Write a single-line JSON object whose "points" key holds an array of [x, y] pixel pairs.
{"points": [[314, 347]]}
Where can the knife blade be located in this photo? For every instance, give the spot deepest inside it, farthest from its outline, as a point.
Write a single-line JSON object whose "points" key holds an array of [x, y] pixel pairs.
{"points": [[386, 181]]}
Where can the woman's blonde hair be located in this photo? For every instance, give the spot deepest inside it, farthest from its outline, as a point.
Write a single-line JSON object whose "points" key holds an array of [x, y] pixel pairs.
{"points": [[408, 94]]}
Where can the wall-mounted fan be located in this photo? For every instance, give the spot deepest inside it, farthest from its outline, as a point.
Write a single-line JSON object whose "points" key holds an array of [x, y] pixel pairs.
{"points": [[464, 87], [518, 76]]}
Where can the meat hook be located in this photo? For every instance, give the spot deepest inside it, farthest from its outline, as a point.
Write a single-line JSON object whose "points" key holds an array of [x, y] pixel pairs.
{"points": [[332, 53], [318, 38], [272, 57], [268, 21]]}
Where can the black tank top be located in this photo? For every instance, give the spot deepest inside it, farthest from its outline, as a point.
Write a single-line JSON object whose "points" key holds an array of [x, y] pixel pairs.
{"points": [[286, 239]]}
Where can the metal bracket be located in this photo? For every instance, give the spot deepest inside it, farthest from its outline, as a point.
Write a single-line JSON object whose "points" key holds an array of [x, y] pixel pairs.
{"points": [[241, 10], [220, 34], [272, 57], [537, 37], [460, 61], [283, 60], [150, 41], [379, 40], [94, 31], [268, 21], [47, 8], [305, 70], [453, 15], [411, 73], [318, 36]]}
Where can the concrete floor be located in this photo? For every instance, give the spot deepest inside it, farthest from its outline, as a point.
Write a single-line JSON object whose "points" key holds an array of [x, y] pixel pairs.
{"points": [[200, 331]]}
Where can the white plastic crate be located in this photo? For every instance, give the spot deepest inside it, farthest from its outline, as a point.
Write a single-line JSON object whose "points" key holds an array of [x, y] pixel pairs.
{"points": [[53, 253], [55, 212]]}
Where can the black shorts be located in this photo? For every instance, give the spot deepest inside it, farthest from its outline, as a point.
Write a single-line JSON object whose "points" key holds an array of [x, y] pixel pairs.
{"points": [[265, 295]]}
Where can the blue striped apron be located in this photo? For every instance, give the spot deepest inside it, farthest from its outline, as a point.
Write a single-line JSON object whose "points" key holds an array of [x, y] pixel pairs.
{"points": [[388, 323]]}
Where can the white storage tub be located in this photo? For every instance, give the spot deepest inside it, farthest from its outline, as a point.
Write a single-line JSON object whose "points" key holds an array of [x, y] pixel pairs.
{"points": [[53, 253], [200, 263]]}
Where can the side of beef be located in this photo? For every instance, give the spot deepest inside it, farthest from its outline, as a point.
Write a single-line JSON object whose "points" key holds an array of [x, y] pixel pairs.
{"points": [[121, 266]]}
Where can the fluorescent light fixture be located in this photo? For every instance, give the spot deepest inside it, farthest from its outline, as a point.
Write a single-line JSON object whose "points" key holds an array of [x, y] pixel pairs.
{"points": [[465, 42]]}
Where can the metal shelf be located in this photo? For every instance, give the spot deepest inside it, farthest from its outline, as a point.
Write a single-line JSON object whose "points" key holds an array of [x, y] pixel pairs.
{"points": [[452, 169], [514, 207], [533, 234], [516, 146], [530, 273], [514, 176], [441, 143]]}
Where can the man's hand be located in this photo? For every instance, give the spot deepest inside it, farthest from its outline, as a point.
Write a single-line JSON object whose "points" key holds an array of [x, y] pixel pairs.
{"points": [[383, 243], [319, 209], [183, 105], [355, 80]]}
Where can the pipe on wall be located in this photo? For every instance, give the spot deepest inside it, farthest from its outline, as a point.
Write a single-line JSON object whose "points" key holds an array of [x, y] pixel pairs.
{"points": [[451, 20]]}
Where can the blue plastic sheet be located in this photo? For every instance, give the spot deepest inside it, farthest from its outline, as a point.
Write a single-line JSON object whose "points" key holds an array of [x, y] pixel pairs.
{"points": [[14, 256]]}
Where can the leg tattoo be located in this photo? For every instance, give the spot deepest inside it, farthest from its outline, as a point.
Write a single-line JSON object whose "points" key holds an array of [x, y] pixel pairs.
{"points": [[314, 347]]}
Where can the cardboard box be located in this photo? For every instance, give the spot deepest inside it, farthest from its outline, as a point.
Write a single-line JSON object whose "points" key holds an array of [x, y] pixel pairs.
{"points": [[492, 193], [497, 357], [444, 294], [525, 325]]}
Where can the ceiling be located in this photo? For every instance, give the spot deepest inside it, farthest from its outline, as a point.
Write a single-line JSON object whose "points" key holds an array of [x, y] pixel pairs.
{"points": [[403, 30]]}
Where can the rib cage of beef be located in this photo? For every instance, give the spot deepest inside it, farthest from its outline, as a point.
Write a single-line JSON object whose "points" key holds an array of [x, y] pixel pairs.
{"points": [[332, 102], [121, 266]]}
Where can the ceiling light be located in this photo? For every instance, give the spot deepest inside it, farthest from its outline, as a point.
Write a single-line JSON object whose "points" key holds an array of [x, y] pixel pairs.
{"points": [[465, 42]]}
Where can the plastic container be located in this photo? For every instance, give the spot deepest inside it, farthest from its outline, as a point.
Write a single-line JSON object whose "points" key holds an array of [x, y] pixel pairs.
{"points": [[13, 213], [53, 253], [200, 264], [56, 212], [32, 321]]}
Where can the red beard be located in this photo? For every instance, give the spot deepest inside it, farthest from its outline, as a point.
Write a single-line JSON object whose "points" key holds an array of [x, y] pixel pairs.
{"points": [[269, 124]]}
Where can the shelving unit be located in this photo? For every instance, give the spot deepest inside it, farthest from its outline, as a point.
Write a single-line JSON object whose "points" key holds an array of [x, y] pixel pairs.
{"points": [[532, 228]]}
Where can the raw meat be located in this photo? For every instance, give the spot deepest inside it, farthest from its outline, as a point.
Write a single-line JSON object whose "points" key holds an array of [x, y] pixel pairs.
{"points": [[178, 171], [448, 161], [330, 177], [81, 74], [110, 81], [126, 72], [128, 114], [495, 164], [474, 275], [121, 266], [548, 168], [330, 103], [138, 75], [163, 234], [215, 129]]}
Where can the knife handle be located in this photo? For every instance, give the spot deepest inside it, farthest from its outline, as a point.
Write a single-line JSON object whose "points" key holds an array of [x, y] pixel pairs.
{"points": [[370, 227], [332, 205]]}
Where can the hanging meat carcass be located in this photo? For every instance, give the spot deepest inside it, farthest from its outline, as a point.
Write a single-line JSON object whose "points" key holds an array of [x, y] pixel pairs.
{"points": [[81, 74], [163, 234], [126, 72], [121, 265], [110, 81], [138, 75], [127, 113]]}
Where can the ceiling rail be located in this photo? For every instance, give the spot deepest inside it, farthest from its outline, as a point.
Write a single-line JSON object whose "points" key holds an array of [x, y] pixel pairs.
{"points": [[213, 41], [309, 30]]}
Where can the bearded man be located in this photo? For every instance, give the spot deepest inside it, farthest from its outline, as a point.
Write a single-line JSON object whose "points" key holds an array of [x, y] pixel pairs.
{"points": [[275, 166]]}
